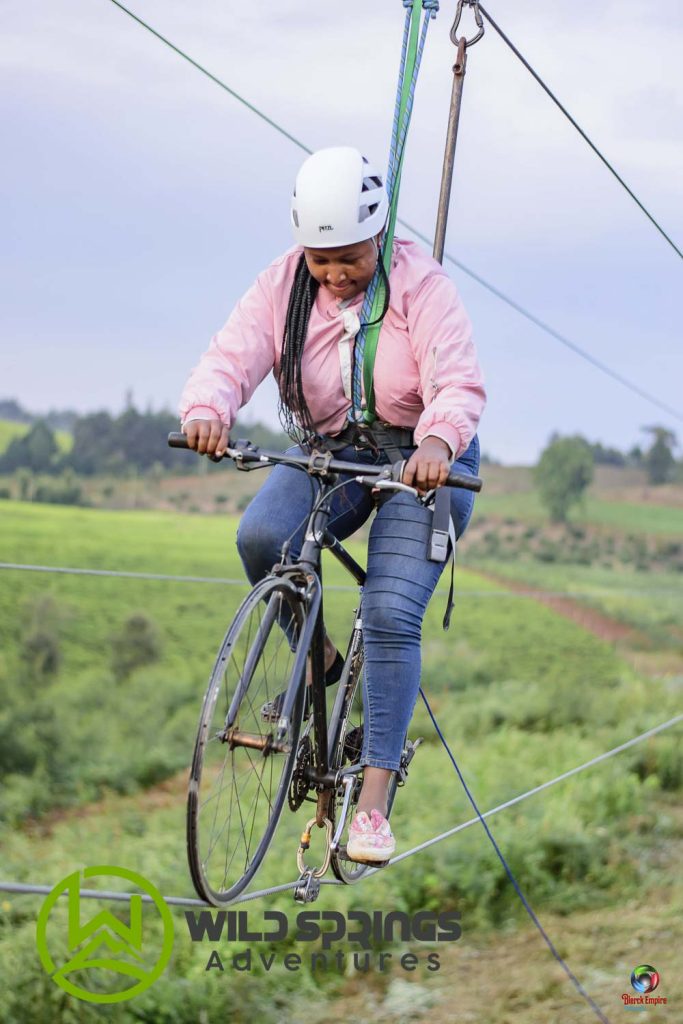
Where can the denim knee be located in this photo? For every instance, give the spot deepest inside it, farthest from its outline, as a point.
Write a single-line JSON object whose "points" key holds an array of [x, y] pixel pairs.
{"points": [[391, 618], [259, 543]]}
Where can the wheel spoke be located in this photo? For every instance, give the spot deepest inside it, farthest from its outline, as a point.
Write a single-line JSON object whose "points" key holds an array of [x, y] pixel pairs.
{"points": [[238, 796]]}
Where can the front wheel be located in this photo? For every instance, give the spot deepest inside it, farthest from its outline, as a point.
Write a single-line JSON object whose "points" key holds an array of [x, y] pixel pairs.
{"points": [[240, 774]]}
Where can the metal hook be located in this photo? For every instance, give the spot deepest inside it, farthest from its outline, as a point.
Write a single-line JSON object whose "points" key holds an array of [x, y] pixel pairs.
{"points": [[474, 4]]}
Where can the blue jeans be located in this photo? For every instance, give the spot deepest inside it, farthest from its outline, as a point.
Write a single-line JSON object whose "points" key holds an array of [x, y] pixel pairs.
{"points": [[400, 580]]}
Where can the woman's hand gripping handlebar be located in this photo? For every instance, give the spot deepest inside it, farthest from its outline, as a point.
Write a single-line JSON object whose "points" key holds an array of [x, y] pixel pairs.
{"points": [[246, 456]]}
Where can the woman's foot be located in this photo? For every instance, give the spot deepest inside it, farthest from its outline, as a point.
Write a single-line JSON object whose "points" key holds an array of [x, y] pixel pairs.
{"points": [[375, 789], [371, 840]]}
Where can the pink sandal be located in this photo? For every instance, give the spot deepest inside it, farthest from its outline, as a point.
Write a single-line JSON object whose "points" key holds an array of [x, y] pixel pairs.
{"points": [[370, 838]]}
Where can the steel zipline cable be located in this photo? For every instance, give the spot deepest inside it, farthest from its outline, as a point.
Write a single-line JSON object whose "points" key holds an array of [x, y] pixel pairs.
{"points": [[579, 129], [226, 581], [25, 888], [582, 353]]}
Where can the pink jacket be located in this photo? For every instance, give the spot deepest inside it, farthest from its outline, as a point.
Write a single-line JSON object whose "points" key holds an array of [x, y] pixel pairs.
{"points": [[426, 372]]}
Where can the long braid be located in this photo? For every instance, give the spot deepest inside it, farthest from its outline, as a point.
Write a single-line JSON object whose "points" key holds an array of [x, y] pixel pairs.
{"points": [[295, 416]]}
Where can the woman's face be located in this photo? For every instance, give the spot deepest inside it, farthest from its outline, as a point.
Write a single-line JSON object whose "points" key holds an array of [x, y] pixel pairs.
{"points": [[345, 270]]}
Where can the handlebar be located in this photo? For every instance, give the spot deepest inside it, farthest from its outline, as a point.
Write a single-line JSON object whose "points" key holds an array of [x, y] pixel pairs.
{"points": [[320, 464]]}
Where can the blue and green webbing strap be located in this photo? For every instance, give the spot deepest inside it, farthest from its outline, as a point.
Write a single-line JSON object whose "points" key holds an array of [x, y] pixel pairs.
{"points": [[365, 347]]}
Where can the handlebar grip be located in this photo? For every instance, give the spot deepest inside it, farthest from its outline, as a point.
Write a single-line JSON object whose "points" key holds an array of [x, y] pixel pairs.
{"points": [[177, 440], [464, 480]]}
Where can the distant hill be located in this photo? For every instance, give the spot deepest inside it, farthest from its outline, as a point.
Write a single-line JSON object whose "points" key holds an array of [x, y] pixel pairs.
{"points": [[56, 419]]}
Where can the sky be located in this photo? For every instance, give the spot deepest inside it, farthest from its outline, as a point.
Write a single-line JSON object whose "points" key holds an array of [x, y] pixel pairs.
{"points": [[140, 200]]}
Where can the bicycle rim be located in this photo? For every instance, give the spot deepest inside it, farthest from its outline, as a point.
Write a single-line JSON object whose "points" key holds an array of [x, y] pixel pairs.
{"points": [[240, 777]]}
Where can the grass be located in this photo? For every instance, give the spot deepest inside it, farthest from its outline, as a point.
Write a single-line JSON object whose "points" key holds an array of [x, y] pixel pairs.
{"points": [[624, 516], [520, 693], [651, 604]]}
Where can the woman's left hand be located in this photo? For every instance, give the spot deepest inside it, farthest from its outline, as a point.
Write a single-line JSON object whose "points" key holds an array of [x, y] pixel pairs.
{"points": [[428, 466]]}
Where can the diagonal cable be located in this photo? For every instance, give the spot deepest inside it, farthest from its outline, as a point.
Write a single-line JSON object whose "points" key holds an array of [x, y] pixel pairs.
{"points": [[579, 129], [603, 367], [635, 388], [214, 78]]}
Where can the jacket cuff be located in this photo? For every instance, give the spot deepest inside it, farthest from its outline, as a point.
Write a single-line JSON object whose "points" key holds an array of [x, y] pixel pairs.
{"points": [[445, 432], [201, 412]]}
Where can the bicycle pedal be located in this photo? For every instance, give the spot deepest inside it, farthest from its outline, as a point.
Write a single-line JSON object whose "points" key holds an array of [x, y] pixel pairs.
{"points": [[357, 860], [342, 852]]}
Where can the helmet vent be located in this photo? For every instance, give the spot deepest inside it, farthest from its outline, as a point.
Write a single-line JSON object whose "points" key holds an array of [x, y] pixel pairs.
{"points": [[366, 211], [370, 183]]}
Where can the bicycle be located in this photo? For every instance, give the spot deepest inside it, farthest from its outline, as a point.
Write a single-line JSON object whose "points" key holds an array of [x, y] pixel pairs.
{"points": [[240, 760]]}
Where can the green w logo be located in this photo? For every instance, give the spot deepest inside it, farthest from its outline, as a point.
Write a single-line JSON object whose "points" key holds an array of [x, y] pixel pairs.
{"points": [[104, 951]]}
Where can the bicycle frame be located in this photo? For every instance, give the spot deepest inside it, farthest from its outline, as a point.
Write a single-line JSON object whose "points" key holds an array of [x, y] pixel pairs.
{"points": [[316, 539]]}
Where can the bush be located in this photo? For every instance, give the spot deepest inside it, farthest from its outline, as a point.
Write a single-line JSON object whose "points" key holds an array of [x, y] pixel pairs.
{"points": [[662, 759], [562, 475], [135, 645], [548, 552], [40, 653], [64, 490], [39, 645]]}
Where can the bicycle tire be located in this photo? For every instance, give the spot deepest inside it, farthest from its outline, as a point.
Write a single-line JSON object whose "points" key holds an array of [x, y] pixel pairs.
{"points": [[350, 871], [254, 661]]}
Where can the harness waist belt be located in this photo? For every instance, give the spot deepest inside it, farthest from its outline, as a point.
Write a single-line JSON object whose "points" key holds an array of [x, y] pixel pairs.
{"points": [[379, 435]]}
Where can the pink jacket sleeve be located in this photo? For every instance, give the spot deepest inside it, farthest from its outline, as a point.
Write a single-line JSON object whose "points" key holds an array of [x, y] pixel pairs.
{"points": [[238, 358], [450, 377]]}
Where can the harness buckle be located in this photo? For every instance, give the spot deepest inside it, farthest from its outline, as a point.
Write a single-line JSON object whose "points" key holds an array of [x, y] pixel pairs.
{"points": [[438, 550]]}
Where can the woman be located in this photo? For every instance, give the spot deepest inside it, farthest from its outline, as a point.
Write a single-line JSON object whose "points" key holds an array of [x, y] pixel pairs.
{"points": [[298, 321]]}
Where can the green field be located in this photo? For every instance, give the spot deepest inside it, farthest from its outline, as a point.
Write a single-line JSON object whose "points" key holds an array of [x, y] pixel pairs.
{"points": [[520, 693], [629, 517]]}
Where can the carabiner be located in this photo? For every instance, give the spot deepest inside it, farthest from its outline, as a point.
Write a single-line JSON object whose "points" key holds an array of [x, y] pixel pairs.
{"points": [[474, 4]]}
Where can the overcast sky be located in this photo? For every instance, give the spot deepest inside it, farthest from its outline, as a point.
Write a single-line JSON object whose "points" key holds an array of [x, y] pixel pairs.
{"points": [[141, 200]]}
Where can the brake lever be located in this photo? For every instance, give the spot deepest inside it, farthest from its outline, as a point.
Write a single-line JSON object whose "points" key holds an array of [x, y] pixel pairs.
{"points": [[385, 485]]}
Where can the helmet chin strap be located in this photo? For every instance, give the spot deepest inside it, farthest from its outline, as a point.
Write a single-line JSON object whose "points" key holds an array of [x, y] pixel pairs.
{"points": [[374, 241]]}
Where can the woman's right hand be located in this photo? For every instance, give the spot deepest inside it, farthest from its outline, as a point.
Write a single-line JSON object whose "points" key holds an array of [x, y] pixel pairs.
{"points": [[208, 437]]}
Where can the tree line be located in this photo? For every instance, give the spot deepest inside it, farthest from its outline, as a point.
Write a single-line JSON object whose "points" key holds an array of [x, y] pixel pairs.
{"points": [[116, 445], [135, 441]]}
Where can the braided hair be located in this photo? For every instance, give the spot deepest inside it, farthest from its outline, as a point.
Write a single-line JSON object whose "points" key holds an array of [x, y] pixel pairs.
{"points": [[293, 411]]}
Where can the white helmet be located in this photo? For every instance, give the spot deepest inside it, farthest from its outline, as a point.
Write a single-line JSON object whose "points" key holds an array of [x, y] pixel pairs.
{"points": [[339, 198]]}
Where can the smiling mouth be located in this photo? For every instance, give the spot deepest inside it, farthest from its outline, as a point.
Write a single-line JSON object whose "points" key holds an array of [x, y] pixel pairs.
{"points": [[339, 287]]}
